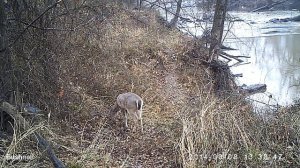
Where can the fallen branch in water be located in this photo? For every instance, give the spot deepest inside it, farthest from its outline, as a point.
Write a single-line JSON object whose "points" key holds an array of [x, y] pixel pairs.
{"points": [[226, 48], [228, 56], [228, 59], [252, 89], [237, 75], [239, 64]]}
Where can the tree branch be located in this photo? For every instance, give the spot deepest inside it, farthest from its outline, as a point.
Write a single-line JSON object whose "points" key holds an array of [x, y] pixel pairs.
{"points": [[42, 28], [268, 6], [29, 25]]}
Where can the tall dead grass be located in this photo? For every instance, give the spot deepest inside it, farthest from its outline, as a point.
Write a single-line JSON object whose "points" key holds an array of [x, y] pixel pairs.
{"points": [[218, 134]]}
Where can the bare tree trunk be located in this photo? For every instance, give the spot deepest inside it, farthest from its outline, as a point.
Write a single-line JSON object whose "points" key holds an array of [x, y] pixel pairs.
{"points": [[139, 4], [166, 10], [5, 64], [2, 25], [218, 27], [175, 18], [5, 59]]}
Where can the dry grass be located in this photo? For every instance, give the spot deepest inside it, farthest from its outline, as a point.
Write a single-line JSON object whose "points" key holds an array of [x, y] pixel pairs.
{"points": [[185, 124], [218, 134]]}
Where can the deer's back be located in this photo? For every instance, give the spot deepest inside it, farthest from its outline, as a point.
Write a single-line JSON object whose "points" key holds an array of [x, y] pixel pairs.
{"points": [[129, 101]]}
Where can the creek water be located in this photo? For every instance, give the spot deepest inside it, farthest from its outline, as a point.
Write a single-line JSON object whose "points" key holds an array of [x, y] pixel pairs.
{"points": [[273, 48], [274, 51]]}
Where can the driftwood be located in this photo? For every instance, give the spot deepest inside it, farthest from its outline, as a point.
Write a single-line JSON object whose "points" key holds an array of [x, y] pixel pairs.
{"points": [[252, 89], [42, 142]]}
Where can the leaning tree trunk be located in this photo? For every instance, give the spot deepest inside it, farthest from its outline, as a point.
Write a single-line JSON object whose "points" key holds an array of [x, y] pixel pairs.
{"points": [[218, 27], [175, 18]]}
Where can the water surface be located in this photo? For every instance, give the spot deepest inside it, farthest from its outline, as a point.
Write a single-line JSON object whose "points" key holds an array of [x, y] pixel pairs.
{"points": [[274, 49]]}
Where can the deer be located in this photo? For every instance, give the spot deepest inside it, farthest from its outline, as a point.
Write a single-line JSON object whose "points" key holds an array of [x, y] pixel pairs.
{"points": [[131, 104]]}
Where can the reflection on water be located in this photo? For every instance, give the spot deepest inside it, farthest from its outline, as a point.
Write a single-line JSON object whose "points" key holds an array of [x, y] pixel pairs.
{"points": [[275, 59]]}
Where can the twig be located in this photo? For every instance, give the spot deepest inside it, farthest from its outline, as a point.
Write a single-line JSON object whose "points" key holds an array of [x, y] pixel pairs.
{"points": [[83, 24], [169, 11], [43, 28], [275, 106]]}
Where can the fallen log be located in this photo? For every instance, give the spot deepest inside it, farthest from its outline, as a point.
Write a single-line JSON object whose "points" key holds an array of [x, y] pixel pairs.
{"points": [[252, 89], [42, 142]]}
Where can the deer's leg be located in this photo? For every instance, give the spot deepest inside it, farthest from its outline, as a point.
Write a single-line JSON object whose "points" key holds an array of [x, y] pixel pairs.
{"points": [[141, 122], [138, 116], [126, 118]]}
